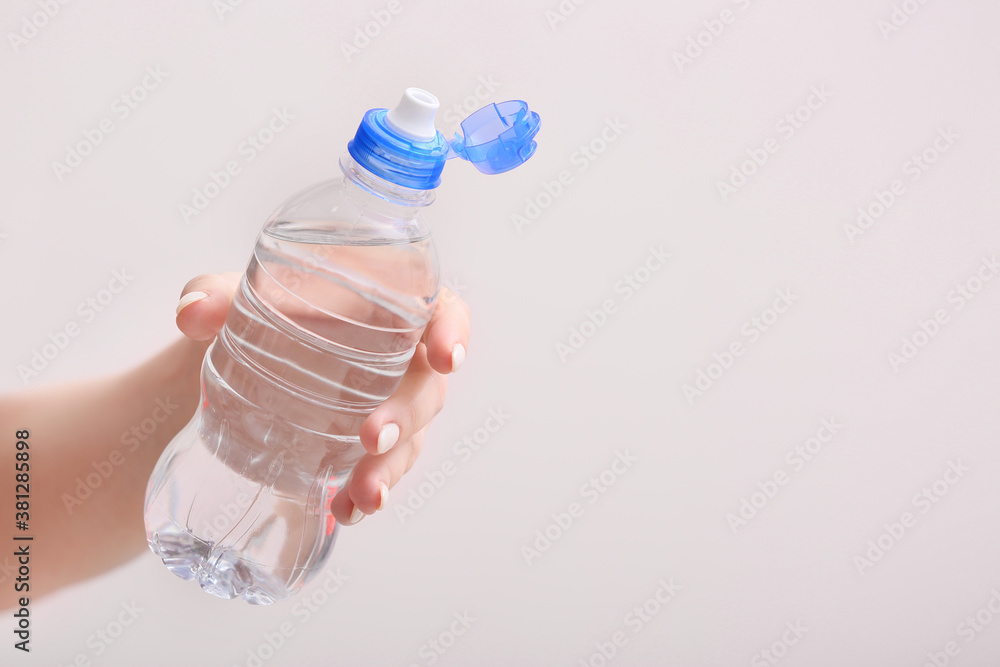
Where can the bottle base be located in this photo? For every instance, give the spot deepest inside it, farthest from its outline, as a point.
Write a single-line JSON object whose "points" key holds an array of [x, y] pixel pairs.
{"points": [[222, 573]]}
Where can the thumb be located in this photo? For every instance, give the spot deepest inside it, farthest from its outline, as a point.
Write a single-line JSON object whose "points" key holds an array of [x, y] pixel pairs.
{"points": [[204, 304]]}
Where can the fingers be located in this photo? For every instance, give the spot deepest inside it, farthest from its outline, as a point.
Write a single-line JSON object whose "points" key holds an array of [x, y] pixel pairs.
{"points": [[373, 476], [393, 436], [419, 397], [447, 333], [204, 304], [393, 433]]}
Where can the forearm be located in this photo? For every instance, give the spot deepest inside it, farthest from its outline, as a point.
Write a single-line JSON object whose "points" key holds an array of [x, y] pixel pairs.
{"points": [[93, 446]]}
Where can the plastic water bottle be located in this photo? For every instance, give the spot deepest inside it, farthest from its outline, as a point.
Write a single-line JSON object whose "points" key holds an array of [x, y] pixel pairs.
{"points": [[335, 298]]}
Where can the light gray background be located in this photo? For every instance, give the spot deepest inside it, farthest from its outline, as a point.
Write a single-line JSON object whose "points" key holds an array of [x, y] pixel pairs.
{"points": [[685, 128]]}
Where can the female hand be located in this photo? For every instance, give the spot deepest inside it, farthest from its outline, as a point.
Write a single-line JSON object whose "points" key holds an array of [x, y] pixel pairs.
{"points": [[393, 433]]}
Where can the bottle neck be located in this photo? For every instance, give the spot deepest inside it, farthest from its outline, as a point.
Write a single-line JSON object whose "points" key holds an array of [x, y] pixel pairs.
{"points": [[379, 194]]}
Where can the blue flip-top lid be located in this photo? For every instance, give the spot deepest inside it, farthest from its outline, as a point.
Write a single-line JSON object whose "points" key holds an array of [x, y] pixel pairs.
{"points": [[402, 146], [498, 137]]}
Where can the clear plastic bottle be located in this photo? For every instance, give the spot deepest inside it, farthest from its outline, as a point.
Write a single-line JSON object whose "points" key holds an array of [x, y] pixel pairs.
{"points": [[340, 286]]}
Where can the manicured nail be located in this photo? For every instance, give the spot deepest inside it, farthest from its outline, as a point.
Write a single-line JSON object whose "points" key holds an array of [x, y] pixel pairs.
{"points": [[457, 356], [387, 437], [356, 515], [383, 495], [190, 298]]}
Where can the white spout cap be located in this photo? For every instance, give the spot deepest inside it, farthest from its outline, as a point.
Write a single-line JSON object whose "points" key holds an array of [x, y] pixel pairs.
{"points": [[413, 117]]}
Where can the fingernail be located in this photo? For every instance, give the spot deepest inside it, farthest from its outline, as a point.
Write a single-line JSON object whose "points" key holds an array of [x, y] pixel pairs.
{"points": [[457, 356], [387, 437], [356, 515], [383, 495], [188, 299]]}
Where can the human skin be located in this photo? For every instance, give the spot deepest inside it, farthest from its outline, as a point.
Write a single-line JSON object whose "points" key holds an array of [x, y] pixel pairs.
{"points": [[90, 426]]}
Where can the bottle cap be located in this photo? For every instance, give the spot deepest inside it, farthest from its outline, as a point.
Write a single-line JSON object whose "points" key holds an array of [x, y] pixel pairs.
{"points": [[498, 137], [402, 146]]}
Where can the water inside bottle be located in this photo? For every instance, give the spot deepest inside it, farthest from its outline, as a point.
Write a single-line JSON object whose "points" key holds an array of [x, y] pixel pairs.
{"points": [[320, 332]]}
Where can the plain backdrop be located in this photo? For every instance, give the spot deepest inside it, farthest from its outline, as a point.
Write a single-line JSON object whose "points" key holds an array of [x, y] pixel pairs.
{"points": [[776, 504]]}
